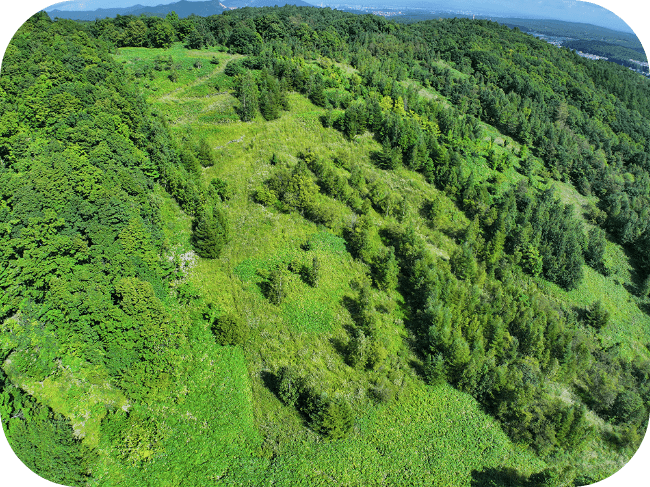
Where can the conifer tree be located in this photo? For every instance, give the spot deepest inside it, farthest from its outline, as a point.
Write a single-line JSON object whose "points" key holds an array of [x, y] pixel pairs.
{"points": [[230, 329], [288, 386], [210, 233], [645, 287], [248, 97], [435, 370], [385, 269], [596, 315], [205, 154], [334, 419], [357, 351], [277, 290], [313, 272], [317, 95]]}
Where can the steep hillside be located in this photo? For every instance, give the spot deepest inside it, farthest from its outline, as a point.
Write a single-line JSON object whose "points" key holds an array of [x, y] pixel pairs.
{"points": [[306, 247]]}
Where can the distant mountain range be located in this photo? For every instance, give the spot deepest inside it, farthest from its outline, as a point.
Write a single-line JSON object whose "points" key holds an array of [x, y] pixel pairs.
{"points": [[182, 8]]}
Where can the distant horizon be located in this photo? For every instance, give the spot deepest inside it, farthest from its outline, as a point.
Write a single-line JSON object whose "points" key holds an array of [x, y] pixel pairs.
{"points": [[562, 10]]}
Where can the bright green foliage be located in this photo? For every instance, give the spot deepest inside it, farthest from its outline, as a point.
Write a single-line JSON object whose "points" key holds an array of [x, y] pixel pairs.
{"points": [[531, 261], [210, 233], [162, 35], [221, 188], [81, 155], [230, 329]]}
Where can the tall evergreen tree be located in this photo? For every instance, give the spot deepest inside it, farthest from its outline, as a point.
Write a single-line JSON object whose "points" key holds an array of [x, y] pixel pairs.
{"points": [[205, 154], [210, 233], [248, 97]]}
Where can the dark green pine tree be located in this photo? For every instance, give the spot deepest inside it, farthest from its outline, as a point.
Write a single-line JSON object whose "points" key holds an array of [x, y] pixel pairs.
{"points": [[276, 288], [269, 106], [210, 233], [317, 95], [645, 287], [248, 97], [385, 269], [595, 248], [334, 419], [313, 273], [597, 316], [288, 386], [230, 329], [435, 369], [204, 154]]}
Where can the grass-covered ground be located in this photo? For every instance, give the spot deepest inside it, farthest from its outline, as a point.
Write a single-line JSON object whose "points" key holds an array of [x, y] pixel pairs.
{"points": [[427, 436]]}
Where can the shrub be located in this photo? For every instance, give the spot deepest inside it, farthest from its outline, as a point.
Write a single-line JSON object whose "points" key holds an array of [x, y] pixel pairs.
{"points": [[230, 329]]}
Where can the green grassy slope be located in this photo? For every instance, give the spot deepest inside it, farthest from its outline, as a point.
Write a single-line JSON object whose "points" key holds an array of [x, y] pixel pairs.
{"points": [[309, 328]]}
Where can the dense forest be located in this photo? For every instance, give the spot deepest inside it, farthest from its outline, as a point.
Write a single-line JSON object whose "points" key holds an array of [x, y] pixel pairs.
{"points": [[285, 245], [618, 54]]}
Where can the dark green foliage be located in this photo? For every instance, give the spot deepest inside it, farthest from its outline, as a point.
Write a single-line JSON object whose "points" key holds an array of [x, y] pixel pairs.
{"points": [[210, 233], [317, 95], [597, 315], [235, 67], [313, 272], [230, 329], [276, 289], [333, 418], [629, 407], [194, 40], [435, 370], [645, 287], [463, 263], [248, 96], [385, 269], [190, 162], [205, 154], [289, 386], [78, 208], [220, 188], [358, 349], [42, 439], [595, 248]]}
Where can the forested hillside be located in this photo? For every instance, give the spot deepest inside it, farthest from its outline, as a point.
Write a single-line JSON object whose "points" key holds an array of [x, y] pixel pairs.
{"points": [[298, 246]]}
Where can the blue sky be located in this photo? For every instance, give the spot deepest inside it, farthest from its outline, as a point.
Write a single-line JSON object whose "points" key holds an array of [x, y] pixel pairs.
{"points": [[568, 10]]}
